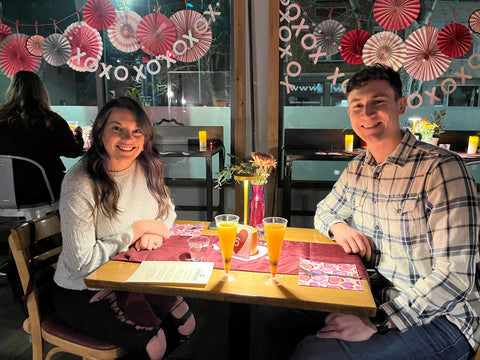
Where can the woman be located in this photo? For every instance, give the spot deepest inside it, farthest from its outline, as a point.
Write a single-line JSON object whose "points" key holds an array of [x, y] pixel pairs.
{"points": [[29, 128], [115, 197]]}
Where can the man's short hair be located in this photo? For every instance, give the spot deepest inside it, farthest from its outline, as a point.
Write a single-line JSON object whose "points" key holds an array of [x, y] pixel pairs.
{"points": [[376, 72]]}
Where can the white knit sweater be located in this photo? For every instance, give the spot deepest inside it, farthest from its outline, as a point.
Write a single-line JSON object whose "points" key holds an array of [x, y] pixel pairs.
{"points": [[90, 239]]}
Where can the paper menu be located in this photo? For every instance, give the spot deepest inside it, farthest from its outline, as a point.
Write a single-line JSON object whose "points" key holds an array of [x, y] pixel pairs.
{"points": [[173, 272]]}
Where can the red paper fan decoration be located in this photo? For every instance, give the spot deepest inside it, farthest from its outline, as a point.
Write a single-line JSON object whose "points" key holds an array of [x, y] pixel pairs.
{"points": [[191, 24], [474, 21], [328, 34], [396, 14], [84, 39], [34, 44], [56, 49], [384, 48], [4, 31], [424, 59], [14, 56], [352, 44], [454, 40], [99, 14], [122, 33], [156, 34]]}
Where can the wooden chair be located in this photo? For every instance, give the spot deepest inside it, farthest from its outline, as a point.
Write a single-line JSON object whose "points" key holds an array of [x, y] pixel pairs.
{"points": [[37, 280]]}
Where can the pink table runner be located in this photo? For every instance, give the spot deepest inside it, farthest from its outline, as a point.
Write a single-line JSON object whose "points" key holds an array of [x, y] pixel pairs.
{"points": [[176, 249]]}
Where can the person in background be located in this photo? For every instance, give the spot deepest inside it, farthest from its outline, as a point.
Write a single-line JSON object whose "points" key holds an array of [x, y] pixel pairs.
{"points": [[113, 198], [410, 208], [29, 128]]}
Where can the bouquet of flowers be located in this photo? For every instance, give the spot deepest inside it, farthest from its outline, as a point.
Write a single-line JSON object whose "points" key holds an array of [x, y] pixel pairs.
{"points": [[431, 129], [425, 128], [262, 164]]}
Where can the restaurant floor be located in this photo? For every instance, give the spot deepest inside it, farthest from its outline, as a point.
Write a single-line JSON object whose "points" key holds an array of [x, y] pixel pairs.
{"points": [[210, 341]]}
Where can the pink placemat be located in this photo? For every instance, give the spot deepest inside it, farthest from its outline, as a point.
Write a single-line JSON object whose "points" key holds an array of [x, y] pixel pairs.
{"points": [[187, 229], [336, 276], [176, 249]]}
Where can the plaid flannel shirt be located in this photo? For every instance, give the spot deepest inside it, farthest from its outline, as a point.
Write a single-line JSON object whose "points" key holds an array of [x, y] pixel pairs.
{"points": [[419, 208]]}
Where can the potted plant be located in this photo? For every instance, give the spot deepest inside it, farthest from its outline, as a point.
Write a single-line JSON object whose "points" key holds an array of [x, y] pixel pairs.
{"points": [[431, 131]]}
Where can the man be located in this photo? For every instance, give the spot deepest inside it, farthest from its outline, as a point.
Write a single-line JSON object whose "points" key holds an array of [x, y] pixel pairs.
{"points": [[414, 204]]}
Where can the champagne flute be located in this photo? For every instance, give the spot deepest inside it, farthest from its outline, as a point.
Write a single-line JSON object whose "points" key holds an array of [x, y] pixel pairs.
{"points": [[227, 232], [274, 234]]}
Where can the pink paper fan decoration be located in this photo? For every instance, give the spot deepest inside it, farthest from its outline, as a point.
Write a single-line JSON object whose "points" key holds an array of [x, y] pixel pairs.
{"points": [[424, 59], [384, 48], [99, 14], [15, 57], [56, 49], [454, 40], [396, 14], [84, 39], [328, 34], [474, 21], [122, 33], [34, 44], [156, 34], [4, 31], [352, 44], [192, 24]]}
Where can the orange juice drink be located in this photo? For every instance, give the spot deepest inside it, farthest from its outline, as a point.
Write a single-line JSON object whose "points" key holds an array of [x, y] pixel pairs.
{"points": [[227, 231], [274, 233]]}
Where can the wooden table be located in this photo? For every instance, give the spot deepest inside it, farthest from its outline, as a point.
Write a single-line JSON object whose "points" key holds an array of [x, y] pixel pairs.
{"points": [[248, 288]]}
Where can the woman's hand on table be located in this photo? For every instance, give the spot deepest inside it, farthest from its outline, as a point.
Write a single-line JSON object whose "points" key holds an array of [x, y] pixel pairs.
{"points": [[351, 240], [149, 242], [346, 327], [149, 227]]}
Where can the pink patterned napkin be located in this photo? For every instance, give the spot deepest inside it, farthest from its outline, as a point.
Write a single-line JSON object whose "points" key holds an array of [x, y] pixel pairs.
{"points": [[338, 281], [187, 229]]}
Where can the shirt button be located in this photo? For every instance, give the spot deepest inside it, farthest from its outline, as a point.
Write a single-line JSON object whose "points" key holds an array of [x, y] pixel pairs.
{"points": [[377, 227]]}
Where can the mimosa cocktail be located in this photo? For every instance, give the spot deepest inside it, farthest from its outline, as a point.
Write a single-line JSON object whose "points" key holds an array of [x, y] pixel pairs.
{"points": [[274, 233], [227, 232]]}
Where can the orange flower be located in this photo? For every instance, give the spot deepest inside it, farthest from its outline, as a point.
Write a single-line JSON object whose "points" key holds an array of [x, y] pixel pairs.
{"points": [[263, 160]]}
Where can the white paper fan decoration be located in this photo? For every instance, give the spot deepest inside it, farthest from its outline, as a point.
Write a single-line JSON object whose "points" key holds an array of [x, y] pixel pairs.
{"points": [[122, 33], [384, 48], [424, 59]]}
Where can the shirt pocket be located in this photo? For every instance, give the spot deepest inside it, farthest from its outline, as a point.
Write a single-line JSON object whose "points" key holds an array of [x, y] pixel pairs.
{"points": [[406, 219]]}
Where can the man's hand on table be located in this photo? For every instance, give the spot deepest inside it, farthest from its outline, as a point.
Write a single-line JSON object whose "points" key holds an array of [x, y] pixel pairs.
{"points": [[346, 327], [351, 240]]}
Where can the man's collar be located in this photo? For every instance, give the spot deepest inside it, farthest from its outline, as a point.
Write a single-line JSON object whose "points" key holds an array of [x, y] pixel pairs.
{"points": [[400, 155]]}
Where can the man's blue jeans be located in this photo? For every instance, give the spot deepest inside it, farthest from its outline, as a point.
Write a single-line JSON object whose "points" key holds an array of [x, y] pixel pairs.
{"points": [[439, 340]]}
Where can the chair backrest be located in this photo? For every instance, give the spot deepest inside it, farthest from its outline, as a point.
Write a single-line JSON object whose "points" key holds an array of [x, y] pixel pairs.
{"points": [[8, 203], [36, 263]]}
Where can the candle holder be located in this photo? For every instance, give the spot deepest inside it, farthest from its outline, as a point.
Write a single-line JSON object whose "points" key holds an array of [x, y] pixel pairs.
{"points": [[245, 177]]}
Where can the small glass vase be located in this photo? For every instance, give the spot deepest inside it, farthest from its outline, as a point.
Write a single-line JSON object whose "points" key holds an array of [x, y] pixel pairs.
{"points": [[430, 139], [257, 205]]}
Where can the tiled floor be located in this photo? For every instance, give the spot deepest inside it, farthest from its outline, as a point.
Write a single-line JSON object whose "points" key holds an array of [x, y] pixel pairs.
{"points": [[210, 341]]}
